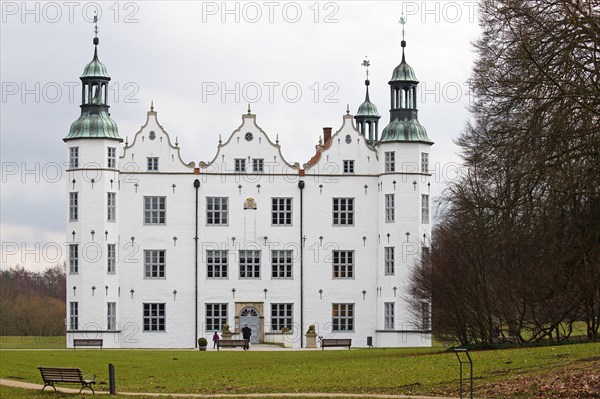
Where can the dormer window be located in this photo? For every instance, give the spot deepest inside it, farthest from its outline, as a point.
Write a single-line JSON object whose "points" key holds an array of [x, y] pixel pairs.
{"points": [[348, 167], [240, 165], [258, 165], [153, 164]]}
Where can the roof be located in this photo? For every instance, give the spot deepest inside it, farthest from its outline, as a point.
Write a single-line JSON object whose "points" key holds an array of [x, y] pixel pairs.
{"points": [[93, 126], [95, 69], [404, 72], [405, 130]]}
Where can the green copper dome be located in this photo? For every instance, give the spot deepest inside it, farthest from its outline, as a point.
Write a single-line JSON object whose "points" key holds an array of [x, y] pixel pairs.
{"points": [[404, 72], [95, 69], [93, 126], [405, 130], [367, 109]]}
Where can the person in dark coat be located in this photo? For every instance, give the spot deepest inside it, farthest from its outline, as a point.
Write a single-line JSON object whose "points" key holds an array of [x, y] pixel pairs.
{"points": [[246, 334], [216, 339]]}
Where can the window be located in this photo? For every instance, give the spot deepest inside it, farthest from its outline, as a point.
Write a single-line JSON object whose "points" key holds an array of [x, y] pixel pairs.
{"points": [[155, 210], [343, 211], [73, 258], [111, 316], [216, 316], [343, 317], [389, 261], [281, 261], [389, 316], [153, 164], [154, 317], [424, 162], [73, 207], [390, 161], [250, 264], [258, 165], [111, 207], [154, 263], [217, 210], [425, 208], [389, 208], [426, 316], [112, 157], [348, 166], [281, 316], [73, 315], [240, 165], [73, 157], [216, 264], [281, 211], [343, 264], [111, 251]]}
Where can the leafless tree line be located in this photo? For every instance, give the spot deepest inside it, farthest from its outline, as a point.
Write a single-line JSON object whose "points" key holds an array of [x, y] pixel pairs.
{"points": [[516, 254], [32, 303]]}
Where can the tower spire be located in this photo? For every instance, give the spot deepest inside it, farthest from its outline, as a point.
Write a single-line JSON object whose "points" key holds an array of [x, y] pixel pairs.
{"points": [[367, 116], [366, 63], [94, 121], [402, 22], [404, 122]]}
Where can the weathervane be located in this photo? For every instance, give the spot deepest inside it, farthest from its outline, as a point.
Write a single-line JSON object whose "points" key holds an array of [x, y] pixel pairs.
{"points": [[402, 22], [366, 63], [95, 25], [96, 40]]}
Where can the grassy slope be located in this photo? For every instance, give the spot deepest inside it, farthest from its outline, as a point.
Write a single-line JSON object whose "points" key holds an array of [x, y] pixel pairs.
{"points": [[394, 371]]}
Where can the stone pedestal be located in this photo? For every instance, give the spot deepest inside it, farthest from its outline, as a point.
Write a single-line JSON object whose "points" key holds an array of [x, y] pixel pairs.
{"points": [[311, 340], [227, 334]]}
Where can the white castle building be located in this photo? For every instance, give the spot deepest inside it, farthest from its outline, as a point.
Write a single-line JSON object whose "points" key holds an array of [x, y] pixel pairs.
{"points": [[162, 251]]}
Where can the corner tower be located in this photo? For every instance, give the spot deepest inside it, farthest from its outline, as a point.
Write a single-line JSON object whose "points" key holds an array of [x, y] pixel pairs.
{"points": [[404, 212], [93, 210]]}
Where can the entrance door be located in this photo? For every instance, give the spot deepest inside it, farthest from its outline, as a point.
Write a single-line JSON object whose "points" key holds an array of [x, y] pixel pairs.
{"points": [[250, 317]]}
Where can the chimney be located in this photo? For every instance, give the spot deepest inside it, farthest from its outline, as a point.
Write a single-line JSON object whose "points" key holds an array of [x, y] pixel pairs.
{"points": [[326, 134]]}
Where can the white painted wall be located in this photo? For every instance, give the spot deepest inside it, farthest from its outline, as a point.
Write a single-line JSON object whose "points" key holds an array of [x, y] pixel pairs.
{"points": [[324, 180]]}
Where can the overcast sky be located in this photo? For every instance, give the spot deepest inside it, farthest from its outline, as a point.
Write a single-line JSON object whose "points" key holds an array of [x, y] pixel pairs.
{"points": [[298, 63]]}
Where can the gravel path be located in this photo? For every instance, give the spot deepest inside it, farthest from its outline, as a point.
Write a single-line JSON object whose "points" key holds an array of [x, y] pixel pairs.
{"points": [[29, 385]]}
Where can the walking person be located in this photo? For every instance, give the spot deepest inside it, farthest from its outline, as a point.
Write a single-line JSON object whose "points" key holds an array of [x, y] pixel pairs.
{"points": [[216, 339], [246, 334]]}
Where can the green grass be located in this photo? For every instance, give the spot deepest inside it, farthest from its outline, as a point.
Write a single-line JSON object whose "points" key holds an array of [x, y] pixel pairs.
{"points": [[32, 342], [390, 371]]}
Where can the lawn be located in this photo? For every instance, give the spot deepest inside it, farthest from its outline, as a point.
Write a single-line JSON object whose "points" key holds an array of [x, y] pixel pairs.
{"points": [[32, 342], [369, 371]]}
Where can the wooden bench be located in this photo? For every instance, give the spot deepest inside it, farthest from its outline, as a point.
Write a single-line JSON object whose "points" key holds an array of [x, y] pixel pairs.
{"points": [[230, 343], [87, 342], [331, 342], [52, 375]]}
